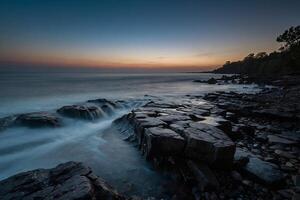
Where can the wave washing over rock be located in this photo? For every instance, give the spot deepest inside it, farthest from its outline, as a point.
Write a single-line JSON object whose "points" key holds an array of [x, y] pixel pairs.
{"points": [[221, 145]]}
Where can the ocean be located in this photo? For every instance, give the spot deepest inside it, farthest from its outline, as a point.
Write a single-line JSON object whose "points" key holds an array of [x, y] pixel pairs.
{"points": [[95, 143]]}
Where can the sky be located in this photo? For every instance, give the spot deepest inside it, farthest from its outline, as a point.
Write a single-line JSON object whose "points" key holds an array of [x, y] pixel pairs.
{"points": [[191, 35]]}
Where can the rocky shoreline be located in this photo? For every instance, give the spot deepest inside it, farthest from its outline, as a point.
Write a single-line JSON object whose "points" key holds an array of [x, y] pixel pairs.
{"points": [[223, 145]]}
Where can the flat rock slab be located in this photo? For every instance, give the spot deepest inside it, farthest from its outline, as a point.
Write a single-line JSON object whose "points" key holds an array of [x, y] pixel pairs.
{"points": [[262, 171], [162, 142], [70, 181], [173, 118], [277, 139], [87, 112], [209, 144], [141, 124]]}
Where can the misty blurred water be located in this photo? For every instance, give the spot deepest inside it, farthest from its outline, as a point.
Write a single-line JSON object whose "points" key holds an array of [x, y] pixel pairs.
{"points": [[95, 143]]}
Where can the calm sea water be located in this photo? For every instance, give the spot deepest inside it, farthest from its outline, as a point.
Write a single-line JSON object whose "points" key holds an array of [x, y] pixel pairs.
{"points": [[97, 144]]}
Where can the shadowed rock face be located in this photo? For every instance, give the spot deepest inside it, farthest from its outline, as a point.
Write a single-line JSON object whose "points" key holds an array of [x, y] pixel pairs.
{"points": [[70, 181], [210, 144], [86, 112], [161, 141]]}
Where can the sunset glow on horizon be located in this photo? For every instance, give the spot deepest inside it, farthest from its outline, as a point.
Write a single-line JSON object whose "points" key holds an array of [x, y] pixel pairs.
{"points": [[192, 35]]}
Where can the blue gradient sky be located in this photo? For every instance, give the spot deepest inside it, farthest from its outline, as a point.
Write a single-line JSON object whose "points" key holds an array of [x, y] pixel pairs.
{"points": [[185, 34]]}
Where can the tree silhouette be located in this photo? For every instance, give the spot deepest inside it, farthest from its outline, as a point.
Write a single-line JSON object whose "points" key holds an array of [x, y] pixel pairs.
{"points": [[287, 61], [290, 37]]}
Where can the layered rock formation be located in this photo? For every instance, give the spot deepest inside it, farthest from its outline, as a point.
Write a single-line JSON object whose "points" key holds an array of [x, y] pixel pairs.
{"points": [[168, 130], [71, 180]]}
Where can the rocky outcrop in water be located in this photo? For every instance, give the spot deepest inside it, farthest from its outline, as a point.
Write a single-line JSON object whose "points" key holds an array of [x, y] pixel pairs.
{"points": [[90, 110], [40, 119], [32, 120], [70, 181], [86, 112]]}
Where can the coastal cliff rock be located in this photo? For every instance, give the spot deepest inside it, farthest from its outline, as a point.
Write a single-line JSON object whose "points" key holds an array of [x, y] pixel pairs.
{"points": [[71, 180]]}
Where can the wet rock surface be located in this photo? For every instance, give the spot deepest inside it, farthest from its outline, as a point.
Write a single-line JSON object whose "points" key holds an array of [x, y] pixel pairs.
{"points": [[223, 145], [32, 120], [40, 119], [81, 112], [70, 180], [170, 130], [266, 172], [91, 110], [236, 146]]}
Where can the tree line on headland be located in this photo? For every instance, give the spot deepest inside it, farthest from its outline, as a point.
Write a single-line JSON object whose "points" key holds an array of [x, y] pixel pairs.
{"points": [[285, 61]]}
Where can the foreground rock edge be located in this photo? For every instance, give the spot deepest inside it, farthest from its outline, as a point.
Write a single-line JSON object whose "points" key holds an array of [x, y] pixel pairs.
{"points": [[70, 180]]}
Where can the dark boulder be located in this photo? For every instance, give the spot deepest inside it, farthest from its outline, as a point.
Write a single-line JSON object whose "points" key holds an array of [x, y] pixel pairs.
{"points": [[87, 112], [70, 181], [262, 171], [38, 119], [212, 81]]}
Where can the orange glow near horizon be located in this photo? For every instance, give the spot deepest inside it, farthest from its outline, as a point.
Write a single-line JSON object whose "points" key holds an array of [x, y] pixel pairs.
{"points": [[142, 61]]}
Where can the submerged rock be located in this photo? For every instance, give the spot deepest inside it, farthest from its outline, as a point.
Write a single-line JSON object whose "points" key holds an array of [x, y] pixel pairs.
{"points": [[6, 122], [71, 180], [209, 81], [38, 119], [87, 112]]}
